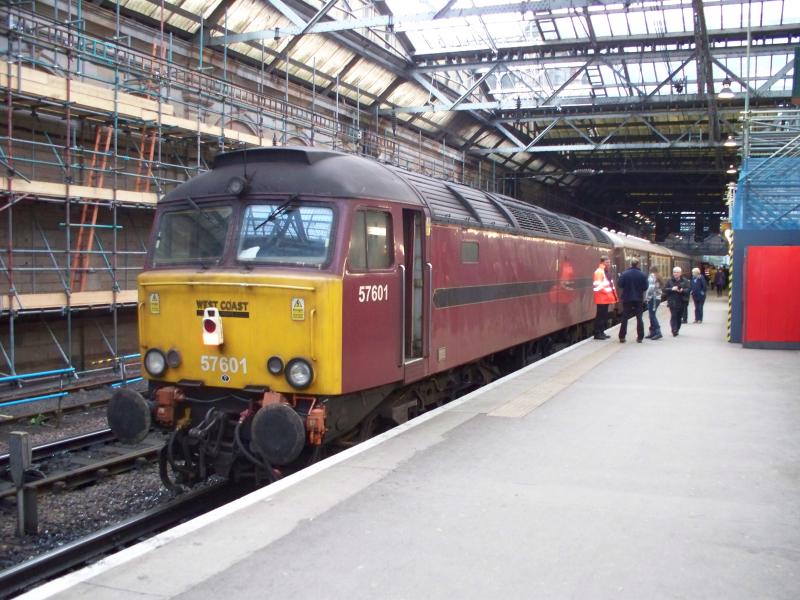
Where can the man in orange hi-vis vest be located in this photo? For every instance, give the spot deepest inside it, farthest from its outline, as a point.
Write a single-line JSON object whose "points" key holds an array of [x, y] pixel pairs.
{"points": [[604, 294]]}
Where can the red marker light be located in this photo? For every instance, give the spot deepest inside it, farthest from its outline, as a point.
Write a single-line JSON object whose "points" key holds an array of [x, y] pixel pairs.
{"points": [[212, 327]]}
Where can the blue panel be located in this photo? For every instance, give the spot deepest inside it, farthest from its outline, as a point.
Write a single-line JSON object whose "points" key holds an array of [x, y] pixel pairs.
{"points": [[768, 194]]}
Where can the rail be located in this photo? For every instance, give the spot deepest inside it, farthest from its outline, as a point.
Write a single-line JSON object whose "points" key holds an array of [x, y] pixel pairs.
{"points": [[115, 537], [88, 458]]}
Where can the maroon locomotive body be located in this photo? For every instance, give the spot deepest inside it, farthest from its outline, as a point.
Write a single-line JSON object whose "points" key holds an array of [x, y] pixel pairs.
{"points": [[296, 298]]}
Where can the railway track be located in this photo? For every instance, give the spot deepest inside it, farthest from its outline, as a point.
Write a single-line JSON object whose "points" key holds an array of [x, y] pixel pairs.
{"points": [[50, 404], [79, 460], [116, 537]]}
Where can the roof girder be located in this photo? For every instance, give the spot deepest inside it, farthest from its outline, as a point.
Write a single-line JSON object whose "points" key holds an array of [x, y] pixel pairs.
{"points": [[613, 45]]}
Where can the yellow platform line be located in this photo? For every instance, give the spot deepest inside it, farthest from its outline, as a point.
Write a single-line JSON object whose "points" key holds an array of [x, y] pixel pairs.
{"points": [[542, 390]]}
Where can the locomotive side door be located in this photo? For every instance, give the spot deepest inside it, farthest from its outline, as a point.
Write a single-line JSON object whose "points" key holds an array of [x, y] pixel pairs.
{"points": [[414, 322], [373, 299]]}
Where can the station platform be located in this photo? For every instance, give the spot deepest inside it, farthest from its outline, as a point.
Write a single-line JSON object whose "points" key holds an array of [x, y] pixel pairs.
{"points": [[668, 469]]}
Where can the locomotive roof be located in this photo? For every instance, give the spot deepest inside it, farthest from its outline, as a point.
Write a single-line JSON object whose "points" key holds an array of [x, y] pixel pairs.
{"points": [[642, 245], [320, 172], [298, 170]]}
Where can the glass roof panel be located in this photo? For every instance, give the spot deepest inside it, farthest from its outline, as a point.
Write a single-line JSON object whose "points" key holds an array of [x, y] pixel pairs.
{"points": [[654, 64], [601, 25], [771, 13]]}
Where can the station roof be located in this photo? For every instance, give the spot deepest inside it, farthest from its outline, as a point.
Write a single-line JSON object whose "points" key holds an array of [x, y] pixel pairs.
{"points": [[564, 91]]}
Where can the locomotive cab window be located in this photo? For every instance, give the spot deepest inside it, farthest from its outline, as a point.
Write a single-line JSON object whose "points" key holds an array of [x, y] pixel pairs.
{"points": [[286, 232], [371, 246], [195, 235]]}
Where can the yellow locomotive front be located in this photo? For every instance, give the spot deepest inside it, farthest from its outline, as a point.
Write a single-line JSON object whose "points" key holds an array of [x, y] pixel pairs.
{"points": [[240, 334]]}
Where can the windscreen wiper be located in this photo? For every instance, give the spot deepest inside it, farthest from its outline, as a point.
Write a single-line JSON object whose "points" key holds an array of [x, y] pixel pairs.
{"points": [[203, 213], [279, 210]]}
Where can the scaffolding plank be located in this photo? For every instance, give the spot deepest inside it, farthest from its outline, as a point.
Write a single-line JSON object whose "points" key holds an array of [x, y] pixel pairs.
{"points": [[59, 190], [36, 302], [36, 83]]}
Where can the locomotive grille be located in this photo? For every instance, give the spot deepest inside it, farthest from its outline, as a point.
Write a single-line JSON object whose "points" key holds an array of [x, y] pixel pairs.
{"points": [[556, 225], [578, 230], [599, 235], [528, 219]]}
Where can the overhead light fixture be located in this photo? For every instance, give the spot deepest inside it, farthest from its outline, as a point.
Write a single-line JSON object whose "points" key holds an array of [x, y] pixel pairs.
{"points": [[726, 93], [731, 170], [730, 142]]}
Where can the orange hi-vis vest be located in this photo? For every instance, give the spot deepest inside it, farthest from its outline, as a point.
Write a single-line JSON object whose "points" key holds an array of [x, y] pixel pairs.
{"points": [[603, 292]]}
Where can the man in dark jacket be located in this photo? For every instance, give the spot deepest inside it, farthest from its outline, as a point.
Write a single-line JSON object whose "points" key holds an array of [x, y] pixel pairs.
{"points": [[676, 295], [699, 288], [633, 284]]}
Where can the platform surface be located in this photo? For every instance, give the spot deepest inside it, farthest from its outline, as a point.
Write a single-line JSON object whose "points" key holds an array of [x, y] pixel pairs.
{"points": [[668, 469]]}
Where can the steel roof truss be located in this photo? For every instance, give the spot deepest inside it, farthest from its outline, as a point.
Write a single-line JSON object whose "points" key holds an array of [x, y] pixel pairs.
{"points": [[780, 74], [580, 133], [592, 147], [587, 103], [414, 22], [668, 111], [652, 128], [542, 134], [443, 11], [466, 94], [569, 80], [689, 129], [624, 77], [766, 40], [443, 97], [625, 121], [213, 18], [294, 41], [287, 12], [733, 75]]}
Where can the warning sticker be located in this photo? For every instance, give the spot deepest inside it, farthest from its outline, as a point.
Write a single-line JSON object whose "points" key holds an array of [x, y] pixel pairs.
{"points": [[155, 303], [298, 309]]}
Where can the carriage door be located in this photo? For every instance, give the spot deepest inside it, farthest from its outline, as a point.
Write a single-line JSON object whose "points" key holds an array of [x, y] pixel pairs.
{"points": [[414, 287]]}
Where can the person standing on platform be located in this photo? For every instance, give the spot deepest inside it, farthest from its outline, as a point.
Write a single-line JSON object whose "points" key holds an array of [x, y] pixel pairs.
{"points": [[633, 284], [604, 295], [676, 295], [685, 311], [719, 281], [699, 289], [653, 298]]}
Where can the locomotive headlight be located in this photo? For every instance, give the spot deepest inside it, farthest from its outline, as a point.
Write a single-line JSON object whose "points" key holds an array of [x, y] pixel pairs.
{"points": [[174, 359], [299, 373], [275, 365], [155, 362]]}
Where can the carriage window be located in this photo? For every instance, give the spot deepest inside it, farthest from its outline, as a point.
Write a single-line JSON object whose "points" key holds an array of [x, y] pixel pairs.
{"points": [[371, 241], [469, 252], [286, 232], [192, 236]]}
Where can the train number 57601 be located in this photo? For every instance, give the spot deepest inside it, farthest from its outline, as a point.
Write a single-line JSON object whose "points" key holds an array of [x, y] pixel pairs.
{"points": [[223, 364], [373, 293]]}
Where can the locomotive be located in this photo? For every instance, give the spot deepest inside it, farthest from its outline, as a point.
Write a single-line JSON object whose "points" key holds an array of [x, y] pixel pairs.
{"points": [[297, 298]]}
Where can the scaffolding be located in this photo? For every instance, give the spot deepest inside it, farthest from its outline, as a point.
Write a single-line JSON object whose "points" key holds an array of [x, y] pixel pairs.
{"points": [[768, 191], [99, 125]]}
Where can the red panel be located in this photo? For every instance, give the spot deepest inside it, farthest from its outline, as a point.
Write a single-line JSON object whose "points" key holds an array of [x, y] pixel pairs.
{"points": [[772, 294]]}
